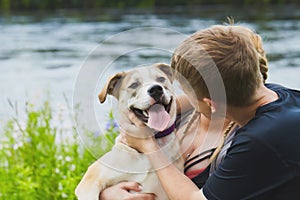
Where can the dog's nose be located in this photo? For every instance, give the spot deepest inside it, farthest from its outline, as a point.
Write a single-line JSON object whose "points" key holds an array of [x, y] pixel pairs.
{"points": [[155, 92]]}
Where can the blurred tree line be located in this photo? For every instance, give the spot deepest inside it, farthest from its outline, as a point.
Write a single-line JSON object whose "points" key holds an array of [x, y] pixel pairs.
{"points": [[7, 5]]}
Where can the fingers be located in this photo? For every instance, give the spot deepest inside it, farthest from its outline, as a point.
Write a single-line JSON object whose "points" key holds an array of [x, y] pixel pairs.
{"points": [[125, 190], [131, 124], [136, 121], [131, 186], [134, 133], [135, 127], [136, 187], [129, 140]]}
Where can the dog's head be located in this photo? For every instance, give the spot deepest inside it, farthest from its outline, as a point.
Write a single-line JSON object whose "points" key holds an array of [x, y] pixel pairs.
{"points": [[147, 92]]}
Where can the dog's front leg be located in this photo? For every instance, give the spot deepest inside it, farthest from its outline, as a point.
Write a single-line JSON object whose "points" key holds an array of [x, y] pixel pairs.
{"points": [[90, 186]]}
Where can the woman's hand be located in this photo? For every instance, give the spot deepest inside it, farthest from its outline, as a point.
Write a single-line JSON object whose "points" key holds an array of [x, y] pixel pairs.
{"points": [[121, 191], [137, 135]]}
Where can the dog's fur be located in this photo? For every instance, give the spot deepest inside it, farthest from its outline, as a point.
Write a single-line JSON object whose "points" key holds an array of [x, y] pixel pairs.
{"points": [[124, 163]]}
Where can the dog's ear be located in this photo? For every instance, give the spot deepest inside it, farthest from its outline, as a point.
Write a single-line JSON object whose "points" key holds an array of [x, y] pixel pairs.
{"points": [[166, 69], [111, 87]]}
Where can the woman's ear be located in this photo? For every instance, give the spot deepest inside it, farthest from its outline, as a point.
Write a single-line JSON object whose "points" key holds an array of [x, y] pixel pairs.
{"points": [[210, 103]]}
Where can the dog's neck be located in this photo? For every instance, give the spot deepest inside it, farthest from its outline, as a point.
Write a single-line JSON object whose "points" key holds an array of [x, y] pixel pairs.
{"points": [[166, 132]]}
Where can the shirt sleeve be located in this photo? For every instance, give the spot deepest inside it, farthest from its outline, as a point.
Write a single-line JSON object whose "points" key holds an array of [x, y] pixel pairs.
{"points": [[249, 169]]}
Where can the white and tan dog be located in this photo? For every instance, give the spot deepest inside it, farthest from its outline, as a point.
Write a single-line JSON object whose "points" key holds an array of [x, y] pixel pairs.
{"points": [[147, 92]]}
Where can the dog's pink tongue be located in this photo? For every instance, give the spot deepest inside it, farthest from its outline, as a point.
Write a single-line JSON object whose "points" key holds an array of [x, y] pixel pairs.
{"points": [[158, 117]]}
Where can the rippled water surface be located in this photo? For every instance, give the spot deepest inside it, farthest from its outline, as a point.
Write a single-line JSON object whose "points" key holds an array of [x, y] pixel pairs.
{"points": [[41, 54]]}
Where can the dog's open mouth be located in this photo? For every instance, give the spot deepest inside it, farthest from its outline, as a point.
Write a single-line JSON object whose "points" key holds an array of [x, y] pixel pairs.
{"points": [[157, 115]]}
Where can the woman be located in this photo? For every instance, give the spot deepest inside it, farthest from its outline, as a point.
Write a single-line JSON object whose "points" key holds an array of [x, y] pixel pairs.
{"points": [[261, 162]]}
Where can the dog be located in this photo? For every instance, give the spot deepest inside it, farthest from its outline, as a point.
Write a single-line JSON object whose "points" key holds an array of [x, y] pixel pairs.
{"points": [[147, 92]]}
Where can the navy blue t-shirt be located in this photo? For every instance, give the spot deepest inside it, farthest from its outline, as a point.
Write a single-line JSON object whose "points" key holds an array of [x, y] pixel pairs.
{"points": [[263, 161]]}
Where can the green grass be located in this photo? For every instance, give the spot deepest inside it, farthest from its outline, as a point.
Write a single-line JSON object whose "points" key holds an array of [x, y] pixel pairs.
{"points": [[37, 160]]}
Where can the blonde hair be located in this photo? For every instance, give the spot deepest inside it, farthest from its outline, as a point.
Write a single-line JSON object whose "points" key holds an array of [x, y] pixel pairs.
{"points": [[258, 44], [263, 61], [237, 53]]}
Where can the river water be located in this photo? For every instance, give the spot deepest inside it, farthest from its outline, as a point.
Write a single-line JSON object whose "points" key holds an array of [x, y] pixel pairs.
{"points": [[50, 56]]}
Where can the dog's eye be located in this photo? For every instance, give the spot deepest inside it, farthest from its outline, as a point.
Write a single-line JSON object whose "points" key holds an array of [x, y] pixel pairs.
{"points": [[134, 85], [160, 79]]}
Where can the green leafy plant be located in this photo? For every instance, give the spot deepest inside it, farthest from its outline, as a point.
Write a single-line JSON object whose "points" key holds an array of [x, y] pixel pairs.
{"points": [[37, 160]]}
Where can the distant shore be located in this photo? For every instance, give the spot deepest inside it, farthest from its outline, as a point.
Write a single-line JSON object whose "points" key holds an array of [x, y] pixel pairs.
{"points": [[10, 5]]}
